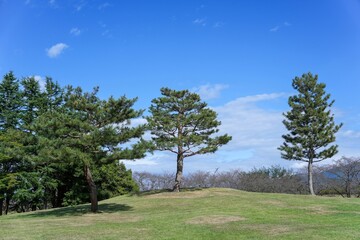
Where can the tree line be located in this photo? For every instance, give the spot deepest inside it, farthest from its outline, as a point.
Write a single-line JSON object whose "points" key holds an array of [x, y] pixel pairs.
{"points": [[341, 178], [61, 146]]}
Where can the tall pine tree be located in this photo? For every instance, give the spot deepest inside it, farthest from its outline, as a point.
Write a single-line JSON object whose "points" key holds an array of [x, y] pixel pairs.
{"points": [[182, 124], [10, 119], [310, 124]]}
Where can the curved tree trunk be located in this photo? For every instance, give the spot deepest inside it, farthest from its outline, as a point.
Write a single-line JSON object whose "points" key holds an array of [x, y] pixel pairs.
{"points": [[179, 172], [92, 189], [310, 178]]}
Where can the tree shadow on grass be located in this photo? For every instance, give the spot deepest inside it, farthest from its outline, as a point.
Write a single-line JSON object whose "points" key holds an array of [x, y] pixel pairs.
{"points": [[80, 210]]}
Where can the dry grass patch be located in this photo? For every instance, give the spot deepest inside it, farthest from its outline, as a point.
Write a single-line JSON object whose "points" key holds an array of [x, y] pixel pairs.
{"points": [[272, 230], [170, 195], [276, 203], [214, 219], [318, 210], [85, 220]]}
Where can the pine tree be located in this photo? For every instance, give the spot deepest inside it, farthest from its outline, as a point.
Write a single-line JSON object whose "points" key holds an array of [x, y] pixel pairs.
{"points": [[10, 147], [90, 132], [10, 102], [310, 124], [183, 125]]}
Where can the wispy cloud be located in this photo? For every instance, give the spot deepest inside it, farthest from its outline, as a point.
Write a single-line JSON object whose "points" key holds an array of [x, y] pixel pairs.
{"points": [[104, 5], [274, 29], [256, 134], [56, 50], [277, 28], [218, 25], [106, 32], [142, 162], [350, 134], [27, 2], [75, 31], [41, 81], [53, 3], [80, 5], [200, 22], [257, 98], [210, 91]]}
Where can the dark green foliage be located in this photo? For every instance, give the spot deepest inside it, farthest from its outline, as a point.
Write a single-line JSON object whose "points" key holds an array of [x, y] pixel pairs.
{"points": [[183, 125], [50, 139], [114, 179], [12, 164], [10, 102], [88, 132], [310, 124]]}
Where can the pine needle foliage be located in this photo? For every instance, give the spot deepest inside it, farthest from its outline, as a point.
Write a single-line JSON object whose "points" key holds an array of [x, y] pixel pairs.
{"points": [[182, 124], [310, 124]]}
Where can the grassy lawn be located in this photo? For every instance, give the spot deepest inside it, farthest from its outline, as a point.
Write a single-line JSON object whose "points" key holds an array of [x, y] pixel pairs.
{"points": [[200, 214]]}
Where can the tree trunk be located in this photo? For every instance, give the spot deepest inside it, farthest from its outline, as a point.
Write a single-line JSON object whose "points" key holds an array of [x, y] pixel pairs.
{"points": [[348, 189], [7, 203], [1, 206], [92, 189], [310, 178], [179, 172]]}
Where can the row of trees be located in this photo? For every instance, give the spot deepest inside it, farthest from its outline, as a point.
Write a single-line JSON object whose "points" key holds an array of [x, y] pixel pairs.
{"points": [[56, 142], [340, 178]]}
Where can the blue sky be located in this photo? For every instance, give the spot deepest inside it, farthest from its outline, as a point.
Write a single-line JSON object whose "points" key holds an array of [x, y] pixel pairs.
{"points": [[240, 56]]}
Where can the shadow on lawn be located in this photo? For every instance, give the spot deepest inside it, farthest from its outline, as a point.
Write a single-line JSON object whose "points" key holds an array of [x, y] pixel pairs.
{"points": [[81, 210]]}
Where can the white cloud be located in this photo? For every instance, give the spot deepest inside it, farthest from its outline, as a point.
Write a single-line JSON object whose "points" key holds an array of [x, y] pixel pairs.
{"points": [[140, 162], [255, 98], [53, 3], [210, 91], [75, 31], [218, 24], [41, 81], [56, 50], [80, 5], [251, 126], [104, 5], [27, 2], [106, 32], [256, 135], [350, 134], [274, 29], [138, 121], [277, 28], [200, 22]]}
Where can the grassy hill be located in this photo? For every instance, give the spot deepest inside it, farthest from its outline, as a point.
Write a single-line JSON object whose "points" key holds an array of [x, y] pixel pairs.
{"points": [[198, 214]]}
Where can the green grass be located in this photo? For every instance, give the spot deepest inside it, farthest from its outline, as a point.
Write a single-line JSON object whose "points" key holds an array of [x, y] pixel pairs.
{"points": [[201, 214]]}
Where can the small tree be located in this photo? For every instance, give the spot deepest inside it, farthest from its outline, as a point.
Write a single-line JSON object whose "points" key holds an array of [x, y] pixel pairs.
{"points": [[183, 125], [310, 124], [346, 173]]}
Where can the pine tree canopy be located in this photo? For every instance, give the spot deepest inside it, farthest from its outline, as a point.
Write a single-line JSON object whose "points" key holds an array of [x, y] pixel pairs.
{"points": [[180, 119], [310, 122]]}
